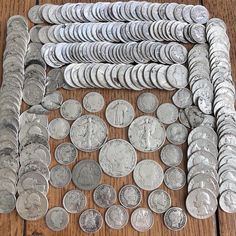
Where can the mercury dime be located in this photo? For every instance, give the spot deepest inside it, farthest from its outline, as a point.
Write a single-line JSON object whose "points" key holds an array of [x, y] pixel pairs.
{"points": [[201, 203], [31, 205], [119, 113], [87, 174], [175, 218], [60, 176], [71, 109], [177, 133], [88, 133], [59, 128], [171, 155], [104, 195], [167, 113], [147, 102], [146, 134], [174, 178], [116, 217], [142, 219], [117, 158], [227, 201], [57, 218], [159, 201], [90, 221], [148, 175], [130, 196], [93, 102], [182, 98], [66, 153], [7, 202]]}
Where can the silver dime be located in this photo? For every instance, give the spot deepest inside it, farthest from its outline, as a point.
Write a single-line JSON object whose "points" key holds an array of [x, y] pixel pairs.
{"points": [[171, 155], [31, 205], [88, 133], [65, 153], [147, 102], [87, 174], [57, 218], [167, 113], [7, 202], [93, 102], [227, 201], [119, 113], [174, 178], [201, 203], [71, 109], [104, 195], [59, 128], [159, 201], [146, 134], [52, 101], [90, 221], [175, 218], [117, 158], [148, 175], [142, 219], [182, 98], [130, 196], [176, 133], [60, 176], [116, 217]]}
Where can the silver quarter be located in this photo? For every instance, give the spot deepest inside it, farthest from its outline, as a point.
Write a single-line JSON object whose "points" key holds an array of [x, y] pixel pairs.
{"points": [[59, 128], [167, 113], [71, 109], [171, 155], [176, 133], [147, 102], [60, 176], [227, 201], [7, 202], [93, 102]]}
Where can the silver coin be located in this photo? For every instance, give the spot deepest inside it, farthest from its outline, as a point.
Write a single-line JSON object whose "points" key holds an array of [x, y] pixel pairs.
{"points": [[88, 133], [175, 218], [159, 201], [52, 101], [147, 102], [65, 153], [117, 158], [148, 175], [116, 217], [8, 174], [31, 205], [227, 201], [87, 174], [119, 113], [71, 109], [146, 134], [60, 176], [93, 102], [182, 98], [171, 155], [57, 218], [59, 128], [7, 202], [7, 184], [227, 185], [176, 133], [104, 195], [90, 221], [142, 219], [201, 203], [130, 196], [174, 178], [167, 113]]}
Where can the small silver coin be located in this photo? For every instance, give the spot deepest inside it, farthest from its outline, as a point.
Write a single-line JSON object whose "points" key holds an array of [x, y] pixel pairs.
{"points": [[52, 101], [93, 102], [71, 109], [182, 98], [167, 113], [171, 155], [59, 128], [174, 178], [227, 201], [176, 133], [60, 176], [7, 202], [147, 102]]}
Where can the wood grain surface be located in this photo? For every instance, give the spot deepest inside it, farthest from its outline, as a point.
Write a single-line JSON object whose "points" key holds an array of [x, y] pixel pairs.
{"points": [[221, 224]]}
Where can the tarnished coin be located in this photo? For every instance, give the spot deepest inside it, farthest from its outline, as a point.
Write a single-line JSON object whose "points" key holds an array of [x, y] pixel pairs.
{"points": [[52, 101], [59, 128], [7, 202], [34, 15], [7, 184], [175, 218], [142, 219], [176, 133], [65, 153], [130, 196], [227, 201], [90, 221], [57, 218], [146, 134], [174, 178], [8, 174], [148, 175], [201, 203], [116, 217], [93, 102], [74, 201], [182, 98], [87, 174], [171, 155], [167, 113], [159, 201], [117, 158], [31, 205], [60, 176], [88, 133], [71, 109], [147, 102]]}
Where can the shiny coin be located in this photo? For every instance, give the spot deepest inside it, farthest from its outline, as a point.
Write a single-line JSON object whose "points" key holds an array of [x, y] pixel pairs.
{"points": [[174, 178], [176, 133], [167, 113], [93, 102], [171, 155], [227, 201], [71, 109], [147, 102], [59, 128], [60, 176], [7, 202], [66, 153]]}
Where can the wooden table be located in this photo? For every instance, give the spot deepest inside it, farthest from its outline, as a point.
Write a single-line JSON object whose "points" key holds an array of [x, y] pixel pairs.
{"points": [[221, 224]]}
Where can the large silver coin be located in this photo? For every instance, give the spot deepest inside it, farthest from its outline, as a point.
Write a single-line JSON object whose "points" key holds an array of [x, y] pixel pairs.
{"points": [[7, 202], [167, 113], [87, 174], [60, 176], [148, 175], [142, 219], [93, 102], [71, 109], [117, 158], [171, 155], [227, 201], [59, 128], [147, 102], [88, 133], [174, 178], [146, 134]]}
